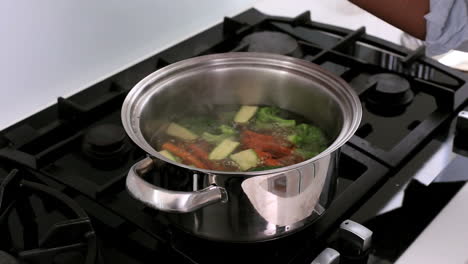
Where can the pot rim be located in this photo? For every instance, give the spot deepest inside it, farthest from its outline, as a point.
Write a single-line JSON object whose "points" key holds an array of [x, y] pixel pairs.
{"points": [[131, 107]]}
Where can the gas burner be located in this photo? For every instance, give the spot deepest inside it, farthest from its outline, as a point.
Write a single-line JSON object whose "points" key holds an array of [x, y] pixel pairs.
{"points": [[389, 95], [271, 42], [105, 146], [66, 237]]}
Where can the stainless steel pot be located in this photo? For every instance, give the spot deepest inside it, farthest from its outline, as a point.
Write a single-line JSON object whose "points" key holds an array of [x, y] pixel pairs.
{"points": [[236, 206]]}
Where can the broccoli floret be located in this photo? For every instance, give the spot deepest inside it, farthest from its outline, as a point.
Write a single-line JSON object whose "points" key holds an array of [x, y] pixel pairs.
{"points": [[307, 134], [310, 140], [215, 139], [268, 117], [226, 132]]}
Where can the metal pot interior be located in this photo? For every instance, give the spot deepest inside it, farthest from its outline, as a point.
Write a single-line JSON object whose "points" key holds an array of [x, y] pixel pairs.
{"points": [[241, 78]]}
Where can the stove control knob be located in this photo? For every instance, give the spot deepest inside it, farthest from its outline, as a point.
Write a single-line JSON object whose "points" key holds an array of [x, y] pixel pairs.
{"points": [[354, 242], [460, 142], [327, 256], [356, 234]]}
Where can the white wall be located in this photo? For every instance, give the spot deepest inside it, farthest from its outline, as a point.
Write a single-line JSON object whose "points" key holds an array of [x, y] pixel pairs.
{"points": [[51, 48]]}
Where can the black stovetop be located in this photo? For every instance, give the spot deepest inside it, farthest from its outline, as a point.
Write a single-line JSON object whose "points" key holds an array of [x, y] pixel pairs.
{"points": [[63, 197]]}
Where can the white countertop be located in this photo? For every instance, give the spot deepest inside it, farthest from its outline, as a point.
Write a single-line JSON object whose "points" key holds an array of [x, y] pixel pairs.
{"points": [[445, 240]]}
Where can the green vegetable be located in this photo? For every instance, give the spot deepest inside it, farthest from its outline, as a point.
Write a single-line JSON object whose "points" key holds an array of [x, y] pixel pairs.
{"points": [[200, 124], [215, 139], [226, 132], [268, 117], [307, 134], [223, 149], [179, 131], [309, 140], [167, 154], [246, 112], [246, 159]]}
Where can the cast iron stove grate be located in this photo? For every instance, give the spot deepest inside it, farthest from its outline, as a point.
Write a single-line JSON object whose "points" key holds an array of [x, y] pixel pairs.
{"points": [[41, 225]]}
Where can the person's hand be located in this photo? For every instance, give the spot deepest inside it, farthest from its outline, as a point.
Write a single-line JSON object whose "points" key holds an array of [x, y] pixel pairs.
{"points": [[407, 15]]}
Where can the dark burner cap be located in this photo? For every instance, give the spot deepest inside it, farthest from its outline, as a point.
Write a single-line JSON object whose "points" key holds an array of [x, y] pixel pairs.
{"points": [[271, 42], [389, 95], [105, 137], [6, 258], [106, 143]]}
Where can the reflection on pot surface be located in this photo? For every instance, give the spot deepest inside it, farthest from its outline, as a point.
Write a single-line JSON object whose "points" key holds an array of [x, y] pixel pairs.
{"points": [[287, 198]]}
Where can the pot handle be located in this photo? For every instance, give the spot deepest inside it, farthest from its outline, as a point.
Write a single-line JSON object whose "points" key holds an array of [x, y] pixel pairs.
{"points": [[166, 200]]}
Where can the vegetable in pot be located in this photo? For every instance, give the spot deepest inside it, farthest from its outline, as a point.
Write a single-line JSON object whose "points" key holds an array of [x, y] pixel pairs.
{"points": [[251, 139], [186, 156], [169, 155], [246, 112], [268, 116], [310, 140], [226, 132], [223, 150], [181, 132], [199, 124], [246, 159]]}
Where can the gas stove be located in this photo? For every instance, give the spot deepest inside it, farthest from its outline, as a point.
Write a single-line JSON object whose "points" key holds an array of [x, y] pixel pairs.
{"points": [[62, 170]]}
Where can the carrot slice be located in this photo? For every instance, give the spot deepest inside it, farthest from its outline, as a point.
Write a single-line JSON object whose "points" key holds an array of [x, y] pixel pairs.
{"points": [[262, 154], [272, 162], [185, 155], [267, 138], [198, 151], [271, 147], [278, 150], [201, 154], [258, 136]]}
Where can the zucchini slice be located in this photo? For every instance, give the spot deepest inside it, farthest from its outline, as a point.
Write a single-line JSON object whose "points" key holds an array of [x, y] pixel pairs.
{"points": [[246, 159], [245, 113], [181, 132], [223, 149]]}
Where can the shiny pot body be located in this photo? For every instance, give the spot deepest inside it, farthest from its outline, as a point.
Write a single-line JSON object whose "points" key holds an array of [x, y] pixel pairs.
{"points": [[239, 206]]}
